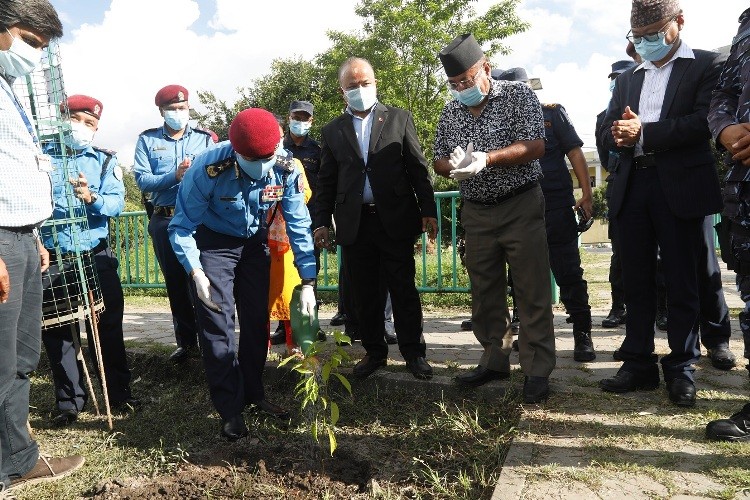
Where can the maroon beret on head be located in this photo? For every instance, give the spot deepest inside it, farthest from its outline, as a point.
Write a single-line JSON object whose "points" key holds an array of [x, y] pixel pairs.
{"points": [[83, 103], [171, 94], [254, 133]]}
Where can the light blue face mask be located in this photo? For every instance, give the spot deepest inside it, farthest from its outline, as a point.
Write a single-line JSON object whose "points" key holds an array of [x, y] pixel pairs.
{"points": [[176, 119], [612, 85], [298, 128], [653, 50], [469, 97], [256, 168], [20, 59]]}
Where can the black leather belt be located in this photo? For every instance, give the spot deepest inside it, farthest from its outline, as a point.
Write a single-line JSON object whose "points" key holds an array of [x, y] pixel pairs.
{"points": [[507, 196], [369, 208], [645, 161], [164, 211], [20, 229]]}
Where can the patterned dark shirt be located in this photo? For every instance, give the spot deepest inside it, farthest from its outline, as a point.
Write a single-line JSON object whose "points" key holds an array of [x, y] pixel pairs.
{"points": [[731, 98], [512, 114]]}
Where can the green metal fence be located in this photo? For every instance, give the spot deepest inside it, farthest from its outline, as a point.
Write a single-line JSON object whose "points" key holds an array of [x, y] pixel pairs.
{"points": [[439, 267]]}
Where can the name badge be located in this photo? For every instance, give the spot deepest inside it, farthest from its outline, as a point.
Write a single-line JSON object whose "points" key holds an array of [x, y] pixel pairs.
{"points": [[44, 162], [272, 193]]}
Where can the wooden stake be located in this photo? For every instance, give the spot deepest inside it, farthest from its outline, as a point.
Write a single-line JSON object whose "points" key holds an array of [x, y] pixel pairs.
{"points": [[95, 334], [79, 357]]}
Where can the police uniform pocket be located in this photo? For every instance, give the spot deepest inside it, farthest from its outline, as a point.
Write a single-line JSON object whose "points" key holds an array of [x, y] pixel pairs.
{"points": [[163, 164]]}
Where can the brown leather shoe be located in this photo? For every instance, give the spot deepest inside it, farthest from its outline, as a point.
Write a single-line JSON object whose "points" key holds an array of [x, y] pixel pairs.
{"points": [[367, 366], [48, 469]]}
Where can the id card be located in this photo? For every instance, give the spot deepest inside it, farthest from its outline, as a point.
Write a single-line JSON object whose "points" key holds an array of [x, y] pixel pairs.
{"points": [[272, 193], [44, 162]]}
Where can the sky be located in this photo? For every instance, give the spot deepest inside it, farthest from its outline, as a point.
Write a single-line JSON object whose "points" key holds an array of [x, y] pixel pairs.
{"points": [[123, 51]]}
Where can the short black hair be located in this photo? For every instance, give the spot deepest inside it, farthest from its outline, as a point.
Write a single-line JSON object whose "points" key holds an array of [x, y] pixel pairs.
{"points": [[39, 15]]}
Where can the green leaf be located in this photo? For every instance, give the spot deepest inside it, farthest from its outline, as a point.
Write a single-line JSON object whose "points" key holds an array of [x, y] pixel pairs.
{"points": [[344, 382], [326, 372], [314, 430], [331, 439], [334, 413]]}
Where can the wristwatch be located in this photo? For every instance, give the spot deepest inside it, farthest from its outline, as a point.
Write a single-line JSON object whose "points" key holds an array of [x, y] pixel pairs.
{"points": [[94, 197]]}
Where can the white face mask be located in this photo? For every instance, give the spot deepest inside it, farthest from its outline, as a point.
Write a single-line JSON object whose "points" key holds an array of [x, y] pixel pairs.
{"points": [[362, 98], [176, 119], [79, 137], [20, 59]]}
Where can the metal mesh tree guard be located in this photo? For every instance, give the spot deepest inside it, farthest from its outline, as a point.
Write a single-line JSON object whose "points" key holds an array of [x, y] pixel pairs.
{"points": [[72, 274]]}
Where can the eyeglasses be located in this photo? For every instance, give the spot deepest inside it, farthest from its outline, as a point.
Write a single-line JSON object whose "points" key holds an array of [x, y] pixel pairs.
{"points": [[469, 82], [650, 37]]}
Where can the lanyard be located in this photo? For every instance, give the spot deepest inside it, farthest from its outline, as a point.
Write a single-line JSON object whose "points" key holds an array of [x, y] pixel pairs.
{"points": [[22, 113]]}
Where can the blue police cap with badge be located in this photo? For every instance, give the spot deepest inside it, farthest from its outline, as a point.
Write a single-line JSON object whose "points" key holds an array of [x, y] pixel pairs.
{"points": [[620, 67]]}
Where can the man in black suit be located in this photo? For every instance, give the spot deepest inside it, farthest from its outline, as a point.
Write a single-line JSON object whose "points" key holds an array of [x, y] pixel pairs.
{"points": [[664, 183], [373, 179]]}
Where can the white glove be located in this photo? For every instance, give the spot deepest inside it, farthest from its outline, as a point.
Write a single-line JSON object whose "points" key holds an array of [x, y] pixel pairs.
{"points": [[307, 301], [203, 287], [478, 162], [459, 158]]}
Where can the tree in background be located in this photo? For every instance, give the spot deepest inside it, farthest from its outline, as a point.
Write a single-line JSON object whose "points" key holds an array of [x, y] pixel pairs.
{"points": [[401, 38]]}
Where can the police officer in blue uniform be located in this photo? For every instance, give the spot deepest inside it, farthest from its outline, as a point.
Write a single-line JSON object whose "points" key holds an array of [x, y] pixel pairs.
{"points": [[218, 234], [562, 140], [99, 190], [162, 157]]}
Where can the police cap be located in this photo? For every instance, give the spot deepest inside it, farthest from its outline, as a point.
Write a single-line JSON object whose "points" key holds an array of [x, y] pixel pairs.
{"points": [[460, 55], [254, 133], [303, 106], [171, 94], [84, 103], [621, 67]]}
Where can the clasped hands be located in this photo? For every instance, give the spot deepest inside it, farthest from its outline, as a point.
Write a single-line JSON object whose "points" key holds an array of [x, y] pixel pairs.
{"points": [[736, 138], [627, 131], [466, 164]]}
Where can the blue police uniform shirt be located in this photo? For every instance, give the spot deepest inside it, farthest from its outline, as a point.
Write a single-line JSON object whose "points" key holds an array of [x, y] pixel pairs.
{"points": [[560, 137], [157, 156], [106, 182], [215, 192]]}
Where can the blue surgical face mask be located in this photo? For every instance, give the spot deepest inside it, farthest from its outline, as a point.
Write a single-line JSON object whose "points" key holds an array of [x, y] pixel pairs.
{"points": [[612, 85], [20, 59], [653, 51], [176, 119], [79, 136], [257, 169], [298, 128], [471, 96], [362, 98]]}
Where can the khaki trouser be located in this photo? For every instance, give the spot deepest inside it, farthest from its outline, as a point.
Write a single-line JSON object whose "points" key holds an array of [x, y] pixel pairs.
{"points": [[512, 231]]}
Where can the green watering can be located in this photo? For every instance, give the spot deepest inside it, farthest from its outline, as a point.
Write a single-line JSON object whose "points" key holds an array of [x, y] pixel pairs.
{"points": [[304, 328]]}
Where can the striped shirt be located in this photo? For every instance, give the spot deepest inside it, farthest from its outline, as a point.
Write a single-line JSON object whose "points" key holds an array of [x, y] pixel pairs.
{"points": [[654, 87], [25, 187]]}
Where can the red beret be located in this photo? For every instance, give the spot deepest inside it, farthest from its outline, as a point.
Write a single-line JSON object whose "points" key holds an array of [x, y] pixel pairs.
{"points": [[83, 103], [171, 94], [254, 133]]}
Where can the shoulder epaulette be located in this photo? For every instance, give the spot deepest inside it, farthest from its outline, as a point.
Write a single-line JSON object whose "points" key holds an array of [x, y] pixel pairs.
{"points": [[107, 152], [149, 130], [202, 131], [217, 168], [550, 105], [285, 163]]}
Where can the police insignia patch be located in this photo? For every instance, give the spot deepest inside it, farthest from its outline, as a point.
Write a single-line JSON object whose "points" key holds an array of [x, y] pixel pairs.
{"points": [[300, 184], [216, 168], [285, 162], [180, 95]]}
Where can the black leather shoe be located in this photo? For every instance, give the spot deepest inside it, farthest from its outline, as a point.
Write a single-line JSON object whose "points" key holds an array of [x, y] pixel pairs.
{"points": [[279, 336], [480, 375], [721, 357], [419, 367], [180, 355], [338, 319], [390, 338], [615, 318], [514, 345], [367, 366], [583, 349], [616, 355], [734, 428], [626, 381], [467, 325], [272, 410], [535, 389], [234, 428], [662, 319], [64, 418], [681, 392], [130, 405], [321, 335]]}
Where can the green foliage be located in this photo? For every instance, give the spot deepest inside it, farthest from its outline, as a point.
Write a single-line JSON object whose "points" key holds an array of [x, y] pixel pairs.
{"points": [[600, 202], [132, 192], [315, 372], [401, 38]]}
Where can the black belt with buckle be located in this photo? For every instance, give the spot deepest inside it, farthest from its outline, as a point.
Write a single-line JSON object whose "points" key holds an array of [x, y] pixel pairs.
{"points": [[20, 229], [507, 196], [369, 208], [644, 161], [164, 211]]}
